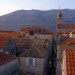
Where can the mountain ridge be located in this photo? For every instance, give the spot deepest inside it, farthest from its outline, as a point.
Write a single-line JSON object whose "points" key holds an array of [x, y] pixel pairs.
{"points": [[27, 18]]}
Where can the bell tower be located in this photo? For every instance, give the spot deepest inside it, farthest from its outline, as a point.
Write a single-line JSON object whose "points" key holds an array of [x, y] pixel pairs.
{"points": [[59, 19]]}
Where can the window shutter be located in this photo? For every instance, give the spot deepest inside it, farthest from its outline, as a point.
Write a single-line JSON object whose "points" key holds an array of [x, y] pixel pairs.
{"points": [[27, 61], [33, 62]]}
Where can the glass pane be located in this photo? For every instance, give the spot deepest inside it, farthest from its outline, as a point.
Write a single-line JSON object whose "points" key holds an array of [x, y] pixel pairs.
{"points": [[31, 62]]}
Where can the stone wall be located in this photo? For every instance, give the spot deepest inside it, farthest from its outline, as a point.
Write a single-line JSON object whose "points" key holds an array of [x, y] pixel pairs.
{"points": [[63, 30], [39, 36], [60, 50], [10, 68], [37, 69]]}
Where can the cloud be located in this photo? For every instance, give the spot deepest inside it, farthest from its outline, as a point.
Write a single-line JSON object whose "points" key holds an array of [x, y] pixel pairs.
{"points": [[8, 9]]}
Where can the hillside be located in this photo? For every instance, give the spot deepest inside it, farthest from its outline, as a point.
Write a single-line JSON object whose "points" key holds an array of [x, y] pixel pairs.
{"points": [[24, 18]]}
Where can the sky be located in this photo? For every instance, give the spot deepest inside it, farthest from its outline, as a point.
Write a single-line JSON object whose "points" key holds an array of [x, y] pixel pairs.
{"points": [[8, 6]]}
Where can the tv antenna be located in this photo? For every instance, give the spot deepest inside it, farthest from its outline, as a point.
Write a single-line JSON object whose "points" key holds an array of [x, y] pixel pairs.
{"points": [[59, 4]]}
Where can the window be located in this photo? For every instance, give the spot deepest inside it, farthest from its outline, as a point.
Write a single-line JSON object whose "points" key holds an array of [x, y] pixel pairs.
{"points": [[40, 31], [31, 32], [30, 62], [60, 30], [35, 37]]}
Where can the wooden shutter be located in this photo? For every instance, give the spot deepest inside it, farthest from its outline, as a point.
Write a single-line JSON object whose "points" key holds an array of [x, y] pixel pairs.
{"points": [[27, 61], [33, 62]]}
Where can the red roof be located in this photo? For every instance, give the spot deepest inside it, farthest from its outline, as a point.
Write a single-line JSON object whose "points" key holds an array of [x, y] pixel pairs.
{"points": [[70, 62], [10, 34], [27, 30], [4, 36], [5, 58], [66, 26], [3, 41], [70, 41], [37, 30], [6, 31]]}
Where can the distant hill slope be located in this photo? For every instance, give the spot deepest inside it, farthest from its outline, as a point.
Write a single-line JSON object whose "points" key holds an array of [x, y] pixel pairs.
{"points": [[24, 18]]}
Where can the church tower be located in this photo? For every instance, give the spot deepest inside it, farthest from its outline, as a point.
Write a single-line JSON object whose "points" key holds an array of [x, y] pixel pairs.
{"points": [[59, 19]]}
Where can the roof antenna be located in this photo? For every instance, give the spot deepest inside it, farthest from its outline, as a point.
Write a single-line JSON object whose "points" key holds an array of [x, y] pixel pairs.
{"points": [[59, 4], [59, 7]]}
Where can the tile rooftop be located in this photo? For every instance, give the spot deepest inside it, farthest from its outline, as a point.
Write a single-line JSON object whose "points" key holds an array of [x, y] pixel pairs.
{"points": [[70, 41], [3, 41], [37, 52], [37, 29], [70, 62], [65, 26], [5, 58]]}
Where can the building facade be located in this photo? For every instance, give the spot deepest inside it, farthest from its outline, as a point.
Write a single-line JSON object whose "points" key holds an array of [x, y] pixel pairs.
{"points": [[34, 60], [68, 44], [68, 59], [8, 64]]}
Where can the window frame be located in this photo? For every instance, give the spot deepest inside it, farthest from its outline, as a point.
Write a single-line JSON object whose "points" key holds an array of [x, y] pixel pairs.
{"points": [[28, 62]]}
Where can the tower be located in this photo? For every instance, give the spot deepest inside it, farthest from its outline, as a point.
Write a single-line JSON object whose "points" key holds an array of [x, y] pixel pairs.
{"points": [[59, 19]]}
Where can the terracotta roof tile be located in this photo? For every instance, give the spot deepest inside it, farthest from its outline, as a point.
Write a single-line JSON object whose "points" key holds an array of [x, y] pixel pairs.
{"points": [[10, 34], [37, 52], [5, 58], [27, 30], [37, 30], [3, 41], [4, 36], [38, 49], [66, 26], [70, 62], [70, 41], [23, 42]]}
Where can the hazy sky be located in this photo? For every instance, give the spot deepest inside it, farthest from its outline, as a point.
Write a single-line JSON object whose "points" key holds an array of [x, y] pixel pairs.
{"points": [[7, 6]]}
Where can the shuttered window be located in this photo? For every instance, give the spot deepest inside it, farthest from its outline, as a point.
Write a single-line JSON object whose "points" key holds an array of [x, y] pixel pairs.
{"points": [[30, 62]]}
